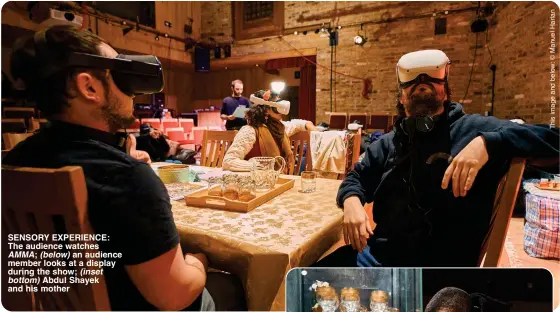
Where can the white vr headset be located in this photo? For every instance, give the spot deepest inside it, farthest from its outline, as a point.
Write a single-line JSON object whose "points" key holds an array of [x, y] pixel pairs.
{"points": [[432, 63], [283, 107]]}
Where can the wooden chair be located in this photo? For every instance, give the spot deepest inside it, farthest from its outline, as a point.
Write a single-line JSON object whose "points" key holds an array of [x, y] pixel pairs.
{"points": [[504, 203], [12, 139], [169, 123], [214, 146], [360, 117], [55, 202], [337, 121], [154, 122], [19, 112], [13, 125], [298, 142], [379, 122]]}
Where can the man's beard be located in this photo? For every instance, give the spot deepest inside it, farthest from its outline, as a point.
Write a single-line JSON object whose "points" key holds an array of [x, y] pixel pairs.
{"points": [[110, 113], [424, 103]]}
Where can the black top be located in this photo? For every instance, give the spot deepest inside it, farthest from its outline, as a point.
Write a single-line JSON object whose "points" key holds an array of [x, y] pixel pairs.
{"points": [[229, 105], [126, 200], [419, 223]]}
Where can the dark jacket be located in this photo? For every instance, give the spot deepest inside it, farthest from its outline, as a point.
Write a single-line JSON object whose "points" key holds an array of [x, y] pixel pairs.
{"points": [[419, 223]]}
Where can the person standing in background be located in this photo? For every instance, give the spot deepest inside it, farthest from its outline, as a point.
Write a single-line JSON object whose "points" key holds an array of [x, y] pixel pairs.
{"points": [[231, 103]]}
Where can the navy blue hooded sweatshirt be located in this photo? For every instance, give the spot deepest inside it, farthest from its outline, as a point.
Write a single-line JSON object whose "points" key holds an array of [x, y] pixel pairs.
{"points": [[419, 223]]}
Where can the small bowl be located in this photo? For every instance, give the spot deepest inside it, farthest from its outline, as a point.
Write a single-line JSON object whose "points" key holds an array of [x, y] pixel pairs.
{"points": [[174, 173]]}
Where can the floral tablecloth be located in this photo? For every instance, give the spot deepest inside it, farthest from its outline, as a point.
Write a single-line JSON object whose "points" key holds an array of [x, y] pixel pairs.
{"points": [[294, 229]]}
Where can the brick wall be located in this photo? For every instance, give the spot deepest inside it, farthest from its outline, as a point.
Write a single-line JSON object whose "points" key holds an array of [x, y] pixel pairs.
{"points": [[515, 29]]}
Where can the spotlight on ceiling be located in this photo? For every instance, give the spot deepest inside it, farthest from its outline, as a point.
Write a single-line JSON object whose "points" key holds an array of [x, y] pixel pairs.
{"points": [[359, 40], [295, 32], [305, 32], [157, 38], [317, 30]]}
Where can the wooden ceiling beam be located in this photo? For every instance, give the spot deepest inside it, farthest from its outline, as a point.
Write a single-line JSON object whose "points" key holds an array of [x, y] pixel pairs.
{"points": [[245, 61]]}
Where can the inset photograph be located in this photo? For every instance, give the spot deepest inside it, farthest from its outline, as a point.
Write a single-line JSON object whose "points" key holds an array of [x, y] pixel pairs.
{"points": [[416, 290]]}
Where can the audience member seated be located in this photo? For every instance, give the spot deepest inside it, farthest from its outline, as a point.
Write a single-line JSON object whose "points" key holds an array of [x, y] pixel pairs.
{"points": [[265, 133], [126, 200], [159, 147]]}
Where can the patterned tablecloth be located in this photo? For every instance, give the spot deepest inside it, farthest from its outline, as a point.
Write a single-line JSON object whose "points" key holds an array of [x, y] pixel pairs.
{"points": [[294, 229]]}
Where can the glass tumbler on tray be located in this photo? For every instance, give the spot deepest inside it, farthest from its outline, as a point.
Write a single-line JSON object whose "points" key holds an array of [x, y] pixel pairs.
{"points": [[230, 186], [308, 181], [215, 186], [246, 189]]}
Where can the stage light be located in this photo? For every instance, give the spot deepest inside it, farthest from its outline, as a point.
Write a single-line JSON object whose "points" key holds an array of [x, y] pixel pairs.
{"points": [[277, 86], [305, 32], [359, 40], [339, 27], [166, 35], [295, 32], [157, 38]]}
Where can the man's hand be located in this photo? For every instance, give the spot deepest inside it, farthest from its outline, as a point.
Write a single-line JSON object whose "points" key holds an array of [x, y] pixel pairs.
{"points": [[231, 117], [356, 224], [198, 260], [155, 133], [141, 156], [464, 168]]}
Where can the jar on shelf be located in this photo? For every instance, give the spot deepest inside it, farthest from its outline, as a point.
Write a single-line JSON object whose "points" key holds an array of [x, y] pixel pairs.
{"points": [[327, 298], [215, 186], [247, 190], [379, 301], [349, 300], [230, 187]]}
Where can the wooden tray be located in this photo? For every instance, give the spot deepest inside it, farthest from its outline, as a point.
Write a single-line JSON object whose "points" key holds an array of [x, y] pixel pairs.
{"points": [[548, 188], [202, 199]]}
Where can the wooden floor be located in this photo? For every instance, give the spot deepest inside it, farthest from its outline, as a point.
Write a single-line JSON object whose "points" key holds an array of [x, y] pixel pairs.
{"points": [[519, 258]]}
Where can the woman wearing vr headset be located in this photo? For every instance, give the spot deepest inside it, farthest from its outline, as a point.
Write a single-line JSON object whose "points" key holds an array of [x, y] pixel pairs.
{"points": [[433, 179], [265, 133]]}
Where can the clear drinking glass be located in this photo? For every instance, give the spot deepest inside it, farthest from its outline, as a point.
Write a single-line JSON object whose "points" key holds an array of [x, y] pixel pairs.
{"points": [[327, 298], [246, 189], [215, 186], [230, 187], [308, 181]]}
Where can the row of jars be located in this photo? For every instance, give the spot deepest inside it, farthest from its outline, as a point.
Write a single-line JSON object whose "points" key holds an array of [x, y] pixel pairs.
{"points": [[327, 300], [232, 187]]}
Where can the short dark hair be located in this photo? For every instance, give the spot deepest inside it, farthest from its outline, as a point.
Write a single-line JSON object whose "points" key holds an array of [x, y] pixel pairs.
{"points": [[236, 81], [51, 93], [451, 299]]}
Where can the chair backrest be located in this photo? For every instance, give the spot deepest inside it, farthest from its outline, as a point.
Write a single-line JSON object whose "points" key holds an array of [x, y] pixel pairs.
{"points": [[379, 121], [338, 121], [154, 122], [214, 147], [198, 133], [55, 202], [187, 124], [12, 139], [135, 125], [175, 134], [301, 141], [170, 123], [19, 112], [504, 203], [361, 117], [352, 151], [13, 125]]}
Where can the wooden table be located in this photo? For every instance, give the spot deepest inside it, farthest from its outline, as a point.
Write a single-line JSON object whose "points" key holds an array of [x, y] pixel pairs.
{"points": [[261, 246]]}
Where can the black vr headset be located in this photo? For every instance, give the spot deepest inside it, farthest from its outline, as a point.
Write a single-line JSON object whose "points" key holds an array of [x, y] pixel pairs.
{"points": [[133, 74]]}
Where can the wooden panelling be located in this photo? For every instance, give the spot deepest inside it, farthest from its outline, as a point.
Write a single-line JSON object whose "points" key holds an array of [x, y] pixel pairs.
{"points": [[179, 13], [261, 58]]}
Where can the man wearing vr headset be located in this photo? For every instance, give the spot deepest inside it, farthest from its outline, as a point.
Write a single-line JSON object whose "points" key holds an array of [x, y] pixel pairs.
{"points": [[433, 179], [86, 89]]}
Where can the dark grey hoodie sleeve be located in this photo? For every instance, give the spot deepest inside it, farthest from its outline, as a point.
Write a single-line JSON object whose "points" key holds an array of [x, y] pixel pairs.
{"points": [[363, 180], [509, 139]]}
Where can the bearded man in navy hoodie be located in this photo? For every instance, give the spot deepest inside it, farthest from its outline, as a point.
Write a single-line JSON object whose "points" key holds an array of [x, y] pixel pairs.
{"points": [[433, 178]]}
